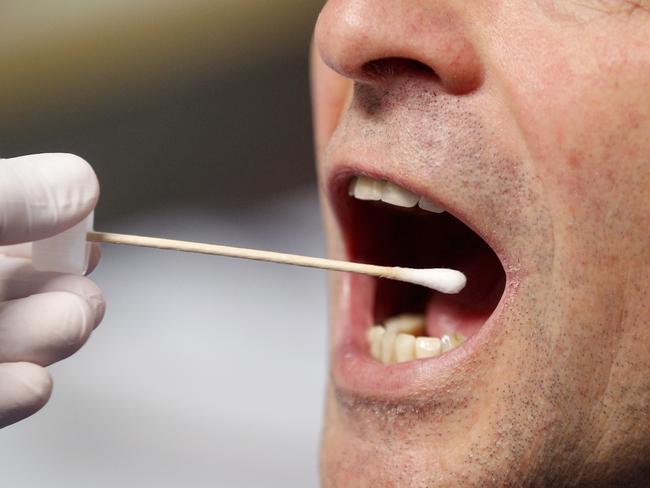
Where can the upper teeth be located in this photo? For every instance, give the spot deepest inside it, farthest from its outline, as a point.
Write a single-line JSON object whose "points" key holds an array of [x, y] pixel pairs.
{"points": [[366, 188]]}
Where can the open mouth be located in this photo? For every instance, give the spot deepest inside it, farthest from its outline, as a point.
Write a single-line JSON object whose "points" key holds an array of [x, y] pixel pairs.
{"points": [[396, 322]]}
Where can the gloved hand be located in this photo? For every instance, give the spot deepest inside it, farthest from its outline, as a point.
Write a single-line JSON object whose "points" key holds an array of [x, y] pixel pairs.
{"points": [[44, 317]]}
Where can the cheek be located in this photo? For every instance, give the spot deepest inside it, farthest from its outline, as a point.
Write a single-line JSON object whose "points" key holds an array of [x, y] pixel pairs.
{"points": [[585, 119]]}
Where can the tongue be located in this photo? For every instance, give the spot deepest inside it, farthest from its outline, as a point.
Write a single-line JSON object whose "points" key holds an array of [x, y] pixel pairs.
{"points": [[467, 312]]}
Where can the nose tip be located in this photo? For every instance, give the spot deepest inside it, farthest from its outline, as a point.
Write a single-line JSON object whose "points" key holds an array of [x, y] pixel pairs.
{"points": [[370, 40]]}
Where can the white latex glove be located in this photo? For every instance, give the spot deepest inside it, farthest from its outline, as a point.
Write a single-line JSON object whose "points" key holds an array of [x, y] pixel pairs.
{"points": [[44, 317]]}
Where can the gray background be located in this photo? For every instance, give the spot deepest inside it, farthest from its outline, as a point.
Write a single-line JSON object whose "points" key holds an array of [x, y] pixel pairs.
{"points": [[206, 371]]}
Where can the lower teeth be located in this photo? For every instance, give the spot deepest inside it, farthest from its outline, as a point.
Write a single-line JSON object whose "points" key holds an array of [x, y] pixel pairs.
{"points": [[401, 339]]}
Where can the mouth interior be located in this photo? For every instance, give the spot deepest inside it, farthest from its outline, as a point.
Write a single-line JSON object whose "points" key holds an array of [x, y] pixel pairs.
{"points": [[379, 233]]}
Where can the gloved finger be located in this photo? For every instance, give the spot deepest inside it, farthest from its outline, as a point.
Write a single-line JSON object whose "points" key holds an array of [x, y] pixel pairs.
{"points": [[17, 250], [44, 194], [18, 279], [24, 389], [95, 257], [25, 251], [44, 328]]}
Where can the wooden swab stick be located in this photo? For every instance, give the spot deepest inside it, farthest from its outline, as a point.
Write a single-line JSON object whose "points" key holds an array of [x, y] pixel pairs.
{"points": [[440, 279]]}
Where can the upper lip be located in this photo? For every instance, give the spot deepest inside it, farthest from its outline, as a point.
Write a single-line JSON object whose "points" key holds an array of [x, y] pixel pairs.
{"points": [[353, 371]]}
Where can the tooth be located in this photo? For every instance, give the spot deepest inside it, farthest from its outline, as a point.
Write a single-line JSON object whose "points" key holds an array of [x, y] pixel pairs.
{"points": [[427, 347], [388, 347], [451, 341], [364, 188], [408, 323], [447, 343], [457, 339], [374, 339], [404, 348], [396, 195], [429, 206]]}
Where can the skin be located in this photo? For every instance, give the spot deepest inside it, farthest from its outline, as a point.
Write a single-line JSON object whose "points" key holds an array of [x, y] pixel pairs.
{"points": [[531, 120]]}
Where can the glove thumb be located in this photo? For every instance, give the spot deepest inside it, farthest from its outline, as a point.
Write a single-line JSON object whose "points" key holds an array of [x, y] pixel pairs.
{"points": [[44, 194]]}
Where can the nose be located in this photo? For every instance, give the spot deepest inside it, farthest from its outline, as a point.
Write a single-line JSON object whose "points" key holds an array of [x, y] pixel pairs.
{"points": [[369, 40]]}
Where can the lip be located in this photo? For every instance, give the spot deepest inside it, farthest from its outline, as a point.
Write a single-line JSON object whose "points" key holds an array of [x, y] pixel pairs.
{"points": [[353, 370]]}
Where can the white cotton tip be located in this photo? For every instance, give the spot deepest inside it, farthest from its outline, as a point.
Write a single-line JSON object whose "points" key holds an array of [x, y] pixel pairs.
{"points": [[68, 252], [443, 280]]}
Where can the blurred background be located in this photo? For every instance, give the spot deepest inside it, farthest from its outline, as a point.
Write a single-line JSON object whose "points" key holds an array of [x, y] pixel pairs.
{"points": [[195, 115]]}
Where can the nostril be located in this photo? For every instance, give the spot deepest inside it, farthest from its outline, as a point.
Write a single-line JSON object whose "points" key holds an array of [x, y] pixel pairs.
{"points": [[382, 69]]}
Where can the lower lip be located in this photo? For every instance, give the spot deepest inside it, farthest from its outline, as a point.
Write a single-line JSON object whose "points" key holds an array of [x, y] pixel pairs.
{"points": [[355, 371]]}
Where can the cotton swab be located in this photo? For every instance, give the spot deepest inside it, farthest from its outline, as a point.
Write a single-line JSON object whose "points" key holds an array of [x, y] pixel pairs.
{"points": [[69, 252], [441, 279]]}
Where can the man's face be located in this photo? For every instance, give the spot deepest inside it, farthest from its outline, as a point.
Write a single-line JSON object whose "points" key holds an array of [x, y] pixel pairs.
{"points": [[529, 123]]}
